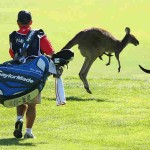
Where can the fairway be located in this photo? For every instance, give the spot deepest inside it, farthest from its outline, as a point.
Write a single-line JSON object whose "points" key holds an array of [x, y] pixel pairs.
{"points": [[116, 116]]}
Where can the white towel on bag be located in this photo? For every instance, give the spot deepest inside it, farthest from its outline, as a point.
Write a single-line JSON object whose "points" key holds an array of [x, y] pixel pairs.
{"points": [[59, 87], [60, 93]]}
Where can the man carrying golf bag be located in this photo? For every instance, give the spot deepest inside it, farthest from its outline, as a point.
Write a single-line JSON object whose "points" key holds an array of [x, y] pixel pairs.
{"points": [[26, 43]]}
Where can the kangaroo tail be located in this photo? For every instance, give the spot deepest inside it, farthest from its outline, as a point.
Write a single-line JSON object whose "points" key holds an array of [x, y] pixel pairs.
{"points": [[73, 41], [145, 70]]}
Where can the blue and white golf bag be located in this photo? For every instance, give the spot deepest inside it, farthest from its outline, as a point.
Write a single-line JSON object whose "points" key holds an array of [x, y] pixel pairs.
{"points": [[22, 83]]}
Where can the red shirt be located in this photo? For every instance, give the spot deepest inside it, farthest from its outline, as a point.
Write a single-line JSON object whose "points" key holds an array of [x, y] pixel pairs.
{"points": [[45, 44]]}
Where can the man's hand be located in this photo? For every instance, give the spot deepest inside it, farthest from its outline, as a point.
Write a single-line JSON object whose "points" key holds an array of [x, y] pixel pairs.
{"points": [[59, 71]]}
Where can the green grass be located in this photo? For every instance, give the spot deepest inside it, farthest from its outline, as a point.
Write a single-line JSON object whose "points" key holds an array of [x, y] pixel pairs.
{"points": [[116, 116]]}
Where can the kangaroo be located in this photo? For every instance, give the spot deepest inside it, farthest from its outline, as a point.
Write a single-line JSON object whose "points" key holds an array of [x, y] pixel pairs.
{"points": [[145, 70], [93, 43]]}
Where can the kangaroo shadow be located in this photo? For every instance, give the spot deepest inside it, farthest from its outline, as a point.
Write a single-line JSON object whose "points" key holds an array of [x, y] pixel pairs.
{"points": [[14, 141], [75, 98]]}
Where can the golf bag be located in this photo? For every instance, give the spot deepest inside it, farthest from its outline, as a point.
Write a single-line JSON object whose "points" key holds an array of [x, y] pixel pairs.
{"points": [[21, 83]]}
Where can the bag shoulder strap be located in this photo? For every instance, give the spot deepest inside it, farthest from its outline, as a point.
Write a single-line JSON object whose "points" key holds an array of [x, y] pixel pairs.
{"points": [[29, 38]]}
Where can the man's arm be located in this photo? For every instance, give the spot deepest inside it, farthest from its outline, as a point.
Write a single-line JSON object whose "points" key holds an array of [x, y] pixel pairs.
{"points": [[46, 46]]}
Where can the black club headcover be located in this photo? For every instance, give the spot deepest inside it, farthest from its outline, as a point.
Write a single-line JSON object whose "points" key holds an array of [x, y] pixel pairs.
{"points": [[63, 57]]}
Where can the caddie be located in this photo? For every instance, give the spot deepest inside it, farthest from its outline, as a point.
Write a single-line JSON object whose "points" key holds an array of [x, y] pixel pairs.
{"points": [[39, 46]]}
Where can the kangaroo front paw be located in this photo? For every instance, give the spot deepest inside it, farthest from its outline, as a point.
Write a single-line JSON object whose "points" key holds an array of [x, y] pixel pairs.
{"points": [[107, 64], [100, 58]]}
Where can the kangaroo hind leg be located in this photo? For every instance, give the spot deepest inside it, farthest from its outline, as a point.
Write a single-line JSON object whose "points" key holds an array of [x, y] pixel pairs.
{"points": [[84, 71]]}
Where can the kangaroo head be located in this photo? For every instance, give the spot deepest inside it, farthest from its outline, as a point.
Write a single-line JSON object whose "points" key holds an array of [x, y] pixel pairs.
{"points": [[131, 38]]}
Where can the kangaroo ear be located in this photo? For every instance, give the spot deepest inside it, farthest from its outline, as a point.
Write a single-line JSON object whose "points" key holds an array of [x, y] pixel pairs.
{"points": [[127, 30]]}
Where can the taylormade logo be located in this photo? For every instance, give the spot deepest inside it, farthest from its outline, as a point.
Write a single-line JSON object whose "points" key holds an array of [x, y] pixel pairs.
{"points": [[10, 76]]}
